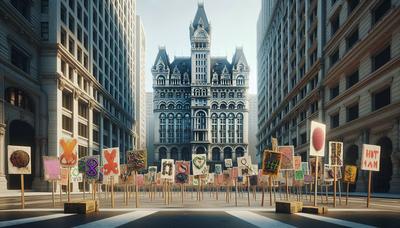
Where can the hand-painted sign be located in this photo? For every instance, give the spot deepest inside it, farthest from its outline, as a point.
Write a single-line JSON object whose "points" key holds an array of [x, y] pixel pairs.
{"points": [[271, 162], [370, 159], [287, 153], [350, 174], [68, 152], [52, 169], [92, 167], [336, 153], [199, 163], [137, 159], [317, 139], [110, 158]]}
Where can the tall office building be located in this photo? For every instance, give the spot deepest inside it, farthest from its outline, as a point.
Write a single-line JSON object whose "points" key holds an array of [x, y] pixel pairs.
{"points": [[66, 70], [200, 101], [140, 85], [149, 128], [253, 128], [336, 62]]}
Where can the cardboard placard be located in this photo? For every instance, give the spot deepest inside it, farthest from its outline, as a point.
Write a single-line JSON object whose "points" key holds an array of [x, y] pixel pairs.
{"points": [[137, 159], [167, 169], [317, 139], [371, 156], [199, 164], [182, 172], [297, 162], [245, 166], [110, 158], [92, 167], [52, 169], [271, 162], [228, 163], [68, 152], [336, 154], [287, 153], [350, 174], [304, 168], [76, 176], [19, 159], [152, 171], [125, 175], [218, 169]]}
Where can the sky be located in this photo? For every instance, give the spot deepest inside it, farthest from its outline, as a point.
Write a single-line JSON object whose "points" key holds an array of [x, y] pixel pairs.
{"points": [[233, 23]]}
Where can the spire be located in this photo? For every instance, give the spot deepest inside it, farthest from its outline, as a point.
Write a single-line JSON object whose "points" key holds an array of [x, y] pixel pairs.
{"points": [[200, 20], [162, 57], [239, 57]]}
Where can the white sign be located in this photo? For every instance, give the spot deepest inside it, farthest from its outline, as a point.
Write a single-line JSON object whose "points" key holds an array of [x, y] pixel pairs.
{"points": [[371, 156], [317, 139], [199, 164], [167, 169], [75, 175], [335, 153], [19, 159]]}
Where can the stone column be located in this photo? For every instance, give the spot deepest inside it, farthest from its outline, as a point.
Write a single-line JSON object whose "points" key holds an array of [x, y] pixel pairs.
{"points": [[75, 121], [221, 155], [3, 157], [395, 182]]}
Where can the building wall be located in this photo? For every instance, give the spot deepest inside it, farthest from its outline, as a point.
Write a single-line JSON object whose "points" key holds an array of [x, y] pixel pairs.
{"points": [[79, 81], [347, 86], [149, 128], [140, 84], [255, 156]]}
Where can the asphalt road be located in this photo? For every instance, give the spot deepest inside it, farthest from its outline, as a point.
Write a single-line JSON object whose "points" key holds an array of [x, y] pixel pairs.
{"points": [[194, 218]]}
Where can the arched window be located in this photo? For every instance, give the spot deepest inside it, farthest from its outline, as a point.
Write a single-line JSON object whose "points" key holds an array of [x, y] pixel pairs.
{"points": [[214, 106], [179, 106], [163, 128], [19, 98], [222, 128], [240, 106], [227, 152], [179, 128], [239, 130], [216, 154], [187, 128], [223, 106], [240, 80], [186, 155], [231, 128], [187, 106], [162, 106], [160, 80], [174, 153], [162, 153], [170, 106], [214, 128], [231, 95], [239, 152], [231, 106], [200, 150], [201, 120], [162, 95], [239, 94], [171, 128]]}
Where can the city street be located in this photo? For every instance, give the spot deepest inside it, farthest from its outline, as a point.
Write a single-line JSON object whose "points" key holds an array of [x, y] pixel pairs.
{"points": [[206, 213]]}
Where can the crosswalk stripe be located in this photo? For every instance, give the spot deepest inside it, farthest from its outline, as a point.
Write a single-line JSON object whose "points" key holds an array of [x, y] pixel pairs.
{"points": [[335, 221], [258, 220], [118, 220], [32, 219]]}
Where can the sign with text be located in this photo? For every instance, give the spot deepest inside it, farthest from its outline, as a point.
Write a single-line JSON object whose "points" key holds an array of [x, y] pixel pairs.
{"points": [[317, 139], [336, 153], [371, 156]]}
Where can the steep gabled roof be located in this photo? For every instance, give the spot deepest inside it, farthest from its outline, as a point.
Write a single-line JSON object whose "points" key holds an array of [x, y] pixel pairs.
{"points": [[182, 63], [239, 57], [201, 18], [218, 64], [162, 56]]}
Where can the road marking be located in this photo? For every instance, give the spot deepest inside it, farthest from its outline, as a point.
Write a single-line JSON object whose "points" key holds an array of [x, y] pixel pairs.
{"points": [[32, 219], [188, 209], [258, 220], [118, 220], [334, 221]]}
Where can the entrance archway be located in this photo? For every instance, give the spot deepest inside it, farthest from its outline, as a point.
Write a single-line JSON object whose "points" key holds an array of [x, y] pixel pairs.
{"points": [[381, 179], [350, 158], [22, 134], [200, 150]]}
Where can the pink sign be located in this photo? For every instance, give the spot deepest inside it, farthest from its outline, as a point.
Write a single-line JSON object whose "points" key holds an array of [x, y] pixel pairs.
{"points": [[52, 169]]}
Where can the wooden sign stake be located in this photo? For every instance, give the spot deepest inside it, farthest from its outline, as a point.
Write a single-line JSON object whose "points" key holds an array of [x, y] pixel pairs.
{"points": [[347, 192], [369, 187], [112, 192], [60, 192], [68, 184], [182, 193], [52, 193], [316, 181], [287, 184], [136, 191], [334, 186], [262, 196], [84, 186], [93, 194], [270, 189], [248, 191], [236, 189], [22, 192]]}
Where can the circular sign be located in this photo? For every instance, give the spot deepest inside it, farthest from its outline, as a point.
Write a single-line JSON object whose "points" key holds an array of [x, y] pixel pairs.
{"points": [[318, 138]]}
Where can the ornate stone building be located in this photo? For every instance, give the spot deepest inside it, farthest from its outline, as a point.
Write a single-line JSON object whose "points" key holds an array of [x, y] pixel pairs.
{"points": [[66, 70], [200, 101], [336, 62]]}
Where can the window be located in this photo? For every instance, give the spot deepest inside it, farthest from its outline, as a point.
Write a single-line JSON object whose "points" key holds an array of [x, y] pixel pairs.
{"points": [[23, 7], [352, 79], [335, 120], [381, 58], [214, 128], [20, 59], [352, 39], [352, 4], [67, 123], [334, 91], [380, 10], [72, 5], [67, 100], [96, 117], [83, 109], [314, 107], [381, 99], [240, 80], [19, 98], [163, 128], [96, 136], [303, 138], [44, 30], [63, 37], [71, 23], [160, 80], [82, 130], [44, 6], [71, 45], [334, 57], [352, 112], [231, 128], [63, 14], [82, 151], [239, 128], [334, 24]]}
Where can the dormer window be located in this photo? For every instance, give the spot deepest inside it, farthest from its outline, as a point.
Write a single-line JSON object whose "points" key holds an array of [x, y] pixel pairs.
{"points": [[239, 80], [160, 80]]}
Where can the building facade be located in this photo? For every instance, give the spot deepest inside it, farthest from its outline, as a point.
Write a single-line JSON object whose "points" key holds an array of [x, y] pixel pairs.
{"points": [[336, 62], [149, 128], [140, 85], [66, 70], [200, 101], [253, 128]]}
